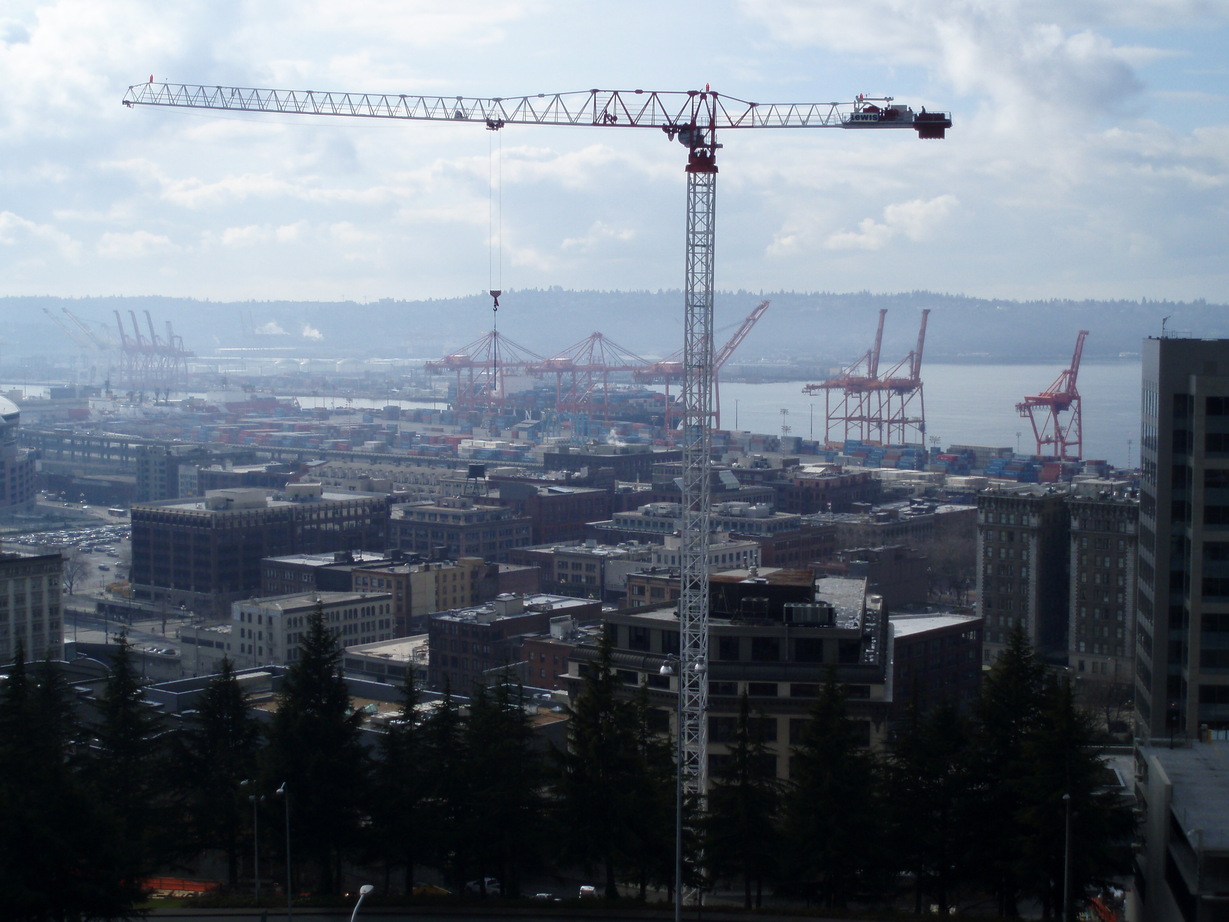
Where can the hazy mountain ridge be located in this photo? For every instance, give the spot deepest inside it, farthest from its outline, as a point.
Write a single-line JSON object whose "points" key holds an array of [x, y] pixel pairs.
{"points": [[823, 326]]}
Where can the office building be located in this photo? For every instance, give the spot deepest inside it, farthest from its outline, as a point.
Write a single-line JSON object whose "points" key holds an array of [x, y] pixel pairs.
{"points": [[204, 553], [456, 526], [269, 631], [1182, 637], [30, 611], [16, 465]]}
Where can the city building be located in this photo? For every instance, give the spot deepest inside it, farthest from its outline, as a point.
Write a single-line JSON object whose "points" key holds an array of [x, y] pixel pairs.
{"points": [[206, 552], [30, 613], [158, 469], [420, 587], [775, 635], [469, 644], [586, 569], [626, 462], [270, 630], [544, 657], [1182, 856], [456, 526], [1182, 637], [936, 659], [331, 572], [1023, 556], [1104, 568], [17, 465], [826, 488]]}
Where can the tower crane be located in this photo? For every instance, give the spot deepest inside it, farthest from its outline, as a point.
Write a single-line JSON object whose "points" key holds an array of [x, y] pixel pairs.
{"points": [[695, 118], [1062, 439]]}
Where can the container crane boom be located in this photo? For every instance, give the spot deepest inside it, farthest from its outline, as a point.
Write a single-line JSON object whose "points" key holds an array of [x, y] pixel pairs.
{"points": [[1064, 437], [694, 118]]}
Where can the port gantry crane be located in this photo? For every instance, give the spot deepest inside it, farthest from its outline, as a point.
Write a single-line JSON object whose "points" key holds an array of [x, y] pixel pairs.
{"points": [[694, 118], [1057, 438]]}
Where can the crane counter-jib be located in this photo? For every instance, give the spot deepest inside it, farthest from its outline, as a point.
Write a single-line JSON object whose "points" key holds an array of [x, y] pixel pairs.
{"points": [[669, 110]]}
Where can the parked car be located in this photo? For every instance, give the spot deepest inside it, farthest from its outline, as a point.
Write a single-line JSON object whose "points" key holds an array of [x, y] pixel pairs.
{"points": [[588, 892]]}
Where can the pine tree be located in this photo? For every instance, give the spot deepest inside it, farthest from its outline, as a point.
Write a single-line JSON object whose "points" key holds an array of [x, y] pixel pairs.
{"points": [[315, 758], [1060, 748], [1007, 712], [505, 775], [741, 832], [216, 753], [127, 768], [832, 825], [597, 776], [928, 785], [397, 808], [447, 808]]}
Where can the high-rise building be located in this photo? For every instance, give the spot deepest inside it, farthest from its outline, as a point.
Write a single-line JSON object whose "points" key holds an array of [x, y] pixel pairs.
{"points": [[30, 606], [16, 465], [1023, 539], [1182, 637]]}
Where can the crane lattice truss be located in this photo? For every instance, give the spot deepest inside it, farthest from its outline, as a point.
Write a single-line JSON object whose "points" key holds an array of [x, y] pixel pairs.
{"points": [[1055, 412], [582, 374], [671, 369], [480, 370], [887, 409], [154, 364], [694, 118]]}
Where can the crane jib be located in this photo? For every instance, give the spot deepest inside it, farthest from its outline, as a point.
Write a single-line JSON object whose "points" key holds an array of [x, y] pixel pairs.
{"points": [[672, 111]]}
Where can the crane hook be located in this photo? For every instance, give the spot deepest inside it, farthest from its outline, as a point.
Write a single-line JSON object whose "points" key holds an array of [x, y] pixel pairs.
{"points": [[495, 293]]}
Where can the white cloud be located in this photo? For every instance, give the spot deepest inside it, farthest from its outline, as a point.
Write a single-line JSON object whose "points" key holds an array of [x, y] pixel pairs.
{"points": [[310, 332], [15, 231], [600, 234], [135, 245]]}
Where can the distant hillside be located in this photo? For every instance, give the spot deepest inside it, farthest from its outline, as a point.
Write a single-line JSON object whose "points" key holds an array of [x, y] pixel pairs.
{"points": [[820, 326]]}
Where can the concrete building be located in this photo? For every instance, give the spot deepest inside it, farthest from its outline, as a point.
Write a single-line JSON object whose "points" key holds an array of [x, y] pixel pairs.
{"points": [[270, 630], [206, 552], [1023, 541], [30, 612], [773, 635], [1104, 569], [936, 659], [468, 644], [332, 572], [17, 465], [158, 470], [456, 526], [1182, 859], [1182, 641], [420, 588]]}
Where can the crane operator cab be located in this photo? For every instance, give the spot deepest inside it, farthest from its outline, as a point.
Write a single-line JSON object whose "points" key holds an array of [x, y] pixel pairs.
{"points": [[883, 113]]}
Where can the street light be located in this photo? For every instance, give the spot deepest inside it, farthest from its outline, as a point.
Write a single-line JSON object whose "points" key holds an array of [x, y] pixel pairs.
{"points": [[255, 799], [285, 794], [1067, 860], [673, 667], [362, 892]]}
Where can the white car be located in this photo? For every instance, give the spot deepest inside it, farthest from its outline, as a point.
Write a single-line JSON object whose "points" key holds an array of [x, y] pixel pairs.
{"points": [[490, 884]]}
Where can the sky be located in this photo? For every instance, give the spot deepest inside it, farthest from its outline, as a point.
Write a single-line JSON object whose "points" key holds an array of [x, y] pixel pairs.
{"points": [[1089, 157]]}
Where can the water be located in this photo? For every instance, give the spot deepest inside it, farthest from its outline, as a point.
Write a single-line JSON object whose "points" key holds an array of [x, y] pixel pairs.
{"points": [[968, 405]]}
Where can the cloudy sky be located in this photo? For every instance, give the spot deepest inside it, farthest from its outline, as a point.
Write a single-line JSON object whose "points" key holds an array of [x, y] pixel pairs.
{"points": [[1089, 158]]}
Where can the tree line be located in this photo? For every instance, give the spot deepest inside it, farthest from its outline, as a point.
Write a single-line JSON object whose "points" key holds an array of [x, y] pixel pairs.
{"points": [[959, 807]]}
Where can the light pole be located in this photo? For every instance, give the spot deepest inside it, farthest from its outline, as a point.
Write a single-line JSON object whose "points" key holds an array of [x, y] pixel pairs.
{"points": [[285, 794], [255, 799], [362, 892], [1066, 859]]}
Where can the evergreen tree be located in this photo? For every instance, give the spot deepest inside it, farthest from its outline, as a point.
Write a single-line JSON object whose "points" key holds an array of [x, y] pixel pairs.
{"points": [[315, 757], [1007, 712], [505, 779], [1060, 750], [60, 850], [447, 807], [655, 789], [741, 832], [597, 776], [397, 809], [832, 826], [217, 753], [127, 769], [929, 780]]}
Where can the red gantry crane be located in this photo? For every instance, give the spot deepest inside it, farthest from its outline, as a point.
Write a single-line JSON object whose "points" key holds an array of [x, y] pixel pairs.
{"points": [[1057, 437], [694, 118]]}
